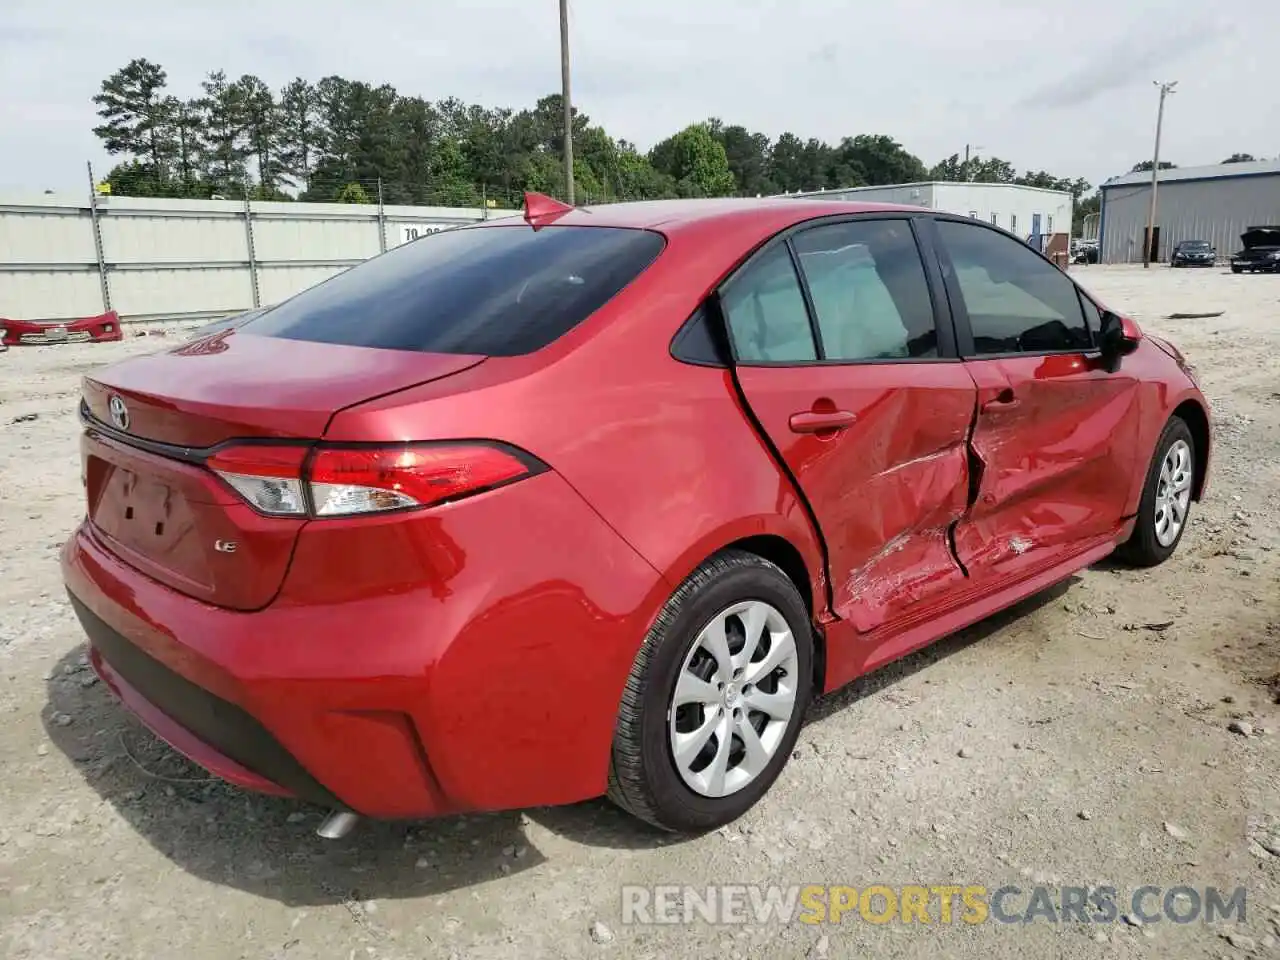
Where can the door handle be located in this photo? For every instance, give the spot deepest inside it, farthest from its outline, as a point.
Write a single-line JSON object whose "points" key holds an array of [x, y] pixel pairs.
{"points": [[814, 422], [1004, 400]]}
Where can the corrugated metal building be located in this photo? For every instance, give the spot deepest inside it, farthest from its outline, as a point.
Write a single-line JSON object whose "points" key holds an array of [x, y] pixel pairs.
{"points": [[1214, 203], [1023, 211]]}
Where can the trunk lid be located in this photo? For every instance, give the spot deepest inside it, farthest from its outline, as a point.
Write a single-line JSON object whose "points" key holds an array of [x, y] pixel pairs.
{"points": [[1260, 238], [235, 384], [152, 501]]}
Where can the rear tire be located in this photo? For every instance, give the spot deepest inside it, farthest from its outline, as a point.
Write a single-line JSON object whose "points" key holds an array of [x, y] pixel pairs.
{"points": [[1237, 270], [1165, 508], [687, 688]]}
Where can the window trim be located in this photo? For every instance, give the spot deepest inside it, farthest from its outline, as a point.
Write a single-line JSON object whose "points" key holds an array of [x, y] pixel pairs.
{"points": [[707, 316], [960, 310], [943, 320]]}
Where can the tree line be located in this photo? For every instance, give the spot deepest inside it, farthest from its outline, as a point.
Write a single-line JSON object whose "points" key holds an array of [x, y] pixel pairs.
{"points": [[345, 140]]}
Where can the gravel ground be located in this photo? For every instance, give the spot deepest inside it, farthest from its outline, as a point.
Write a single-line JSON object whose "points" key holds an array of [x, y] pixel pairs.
{"points": [[1082, 738]]}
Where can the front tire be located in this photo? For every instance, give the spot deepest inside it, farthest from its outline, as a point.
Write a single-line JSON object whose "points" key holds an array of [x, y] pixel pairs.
{"points": [[1166, 498], [715, 700]]}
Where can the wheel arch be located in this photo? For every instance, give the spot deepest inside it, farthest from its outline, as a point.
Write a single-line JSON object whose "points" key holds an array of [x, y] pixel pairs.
{"points": [[1194, 415], [786, 556]]}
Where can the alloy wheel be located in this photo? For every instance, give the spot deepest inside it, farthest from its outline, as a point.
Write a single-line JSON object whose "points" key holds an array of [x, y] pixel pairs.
{"points": [[734, 699], [1173, 493]]}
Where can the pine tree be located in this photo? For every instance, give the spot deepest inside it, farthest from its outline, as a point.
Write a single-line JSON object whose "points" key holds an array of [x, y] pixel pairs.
{"points": [[300, 135], [225, 147], [263, 133], [137, 117]]}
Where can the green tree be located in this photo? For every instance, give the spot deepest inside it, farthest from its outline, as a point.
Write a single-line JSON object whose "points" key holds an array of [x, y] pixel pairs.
{"points": [[696, 161], [225, 120], [1145, 166], [299, 131], [264, 134], [748, 156], [137, 117], [637, 178], [352, 193], [950, 170], [787, 166], [188, 135], [325, 138], [881, 160], [1239, 158]]}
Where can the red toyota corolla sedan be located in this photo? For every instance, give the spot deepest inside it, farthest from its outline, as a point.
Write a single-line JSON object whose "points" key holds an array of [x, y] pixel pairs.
{"points": [[596, 501]]}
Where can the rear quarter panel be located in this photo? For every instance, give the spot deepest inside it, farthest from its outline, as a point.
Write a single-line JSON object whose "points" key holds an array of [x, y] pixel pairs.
{"points": [[660, 448]]}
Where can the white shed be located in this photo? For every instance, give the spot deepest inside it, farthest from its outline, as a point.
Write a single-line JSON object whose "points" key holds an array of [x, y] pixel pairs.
{"points": [[1024, 211]]}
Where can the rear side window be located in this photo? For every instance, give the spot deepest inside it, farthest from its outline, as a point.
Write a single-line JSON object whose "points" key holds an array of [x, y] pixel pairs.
{"points": [[766, 311], [868, 287], [495, 291]]}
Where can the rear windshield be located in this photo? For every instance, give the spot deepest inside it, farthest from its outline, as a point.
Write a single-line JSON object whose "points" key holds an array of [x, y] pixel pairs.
{"points": [[496, 291]]}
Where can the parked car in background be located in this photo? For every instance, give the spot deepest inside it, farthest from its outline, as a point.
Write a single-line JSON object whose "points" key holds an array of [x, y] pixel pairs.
{"points": [[1193, 253], [597, 501], [1084, 251], [1260, 252]]}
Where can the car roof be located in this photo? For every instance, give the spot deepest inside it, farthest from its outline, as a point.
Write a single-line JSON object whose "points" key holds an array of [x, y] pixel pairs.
{"points": [[673, 216]]}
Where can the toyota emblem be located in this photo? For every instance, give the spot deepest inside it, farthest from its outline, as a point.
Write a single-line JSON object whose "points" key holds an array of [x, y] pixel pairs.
{"points": [[119, 412]]}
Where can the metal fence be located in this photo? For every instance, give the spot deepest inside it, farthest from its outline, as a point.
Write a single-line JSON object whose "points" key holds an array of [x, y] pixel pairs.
{"points": [[64, 257]]}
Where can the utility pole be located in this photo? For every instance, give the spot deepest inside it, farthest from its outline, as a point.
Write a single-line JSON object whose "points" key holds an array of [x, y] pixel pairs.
{"points": [[568, 102], [1150, 252], [966, 160]]}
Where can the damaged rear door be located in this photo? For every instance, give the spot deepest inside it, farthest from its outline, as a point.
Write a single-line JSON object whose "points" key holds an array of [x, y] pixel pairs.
{"points": [[1055, 435], [846, 357]]}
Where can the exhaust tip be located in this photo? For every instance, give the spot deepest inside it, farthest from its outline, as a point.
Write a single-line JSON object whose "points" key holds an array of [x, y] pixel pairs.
{"points": [[337, 825]]}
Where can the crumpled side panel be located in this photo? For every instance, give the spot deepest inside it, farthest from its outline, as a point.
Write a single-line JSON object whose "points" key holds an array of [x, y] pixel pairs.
{"points": [[909, 509], [1052, 472]]}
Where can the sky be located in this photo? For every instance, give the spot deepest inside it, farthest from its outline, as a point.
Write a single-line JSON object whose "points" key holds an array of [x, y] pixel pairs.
{"points": [[1060, 86]]}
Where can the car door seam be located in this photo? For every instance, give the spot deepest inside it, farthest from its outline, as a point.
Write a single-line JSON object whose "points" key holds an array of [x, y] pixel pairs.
{"points": [[781, 463]]}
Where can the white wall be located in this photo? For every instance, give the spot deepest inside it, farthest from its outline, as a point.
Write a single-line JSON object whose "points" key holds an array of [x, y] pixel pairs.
{"points": [[187, 258], [1013, 206]]}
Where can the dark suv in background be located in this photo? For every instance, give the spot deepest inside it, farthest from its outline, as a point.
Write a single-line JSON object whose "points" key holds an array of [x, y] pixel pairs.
{"points": [[1261, 251], [1193, 253]]}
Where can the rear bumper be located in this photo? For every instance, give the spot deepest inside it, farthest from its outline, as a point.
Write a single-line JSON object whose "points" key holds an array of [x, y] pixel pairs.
{"points": [[215, 733], [488, 679]]}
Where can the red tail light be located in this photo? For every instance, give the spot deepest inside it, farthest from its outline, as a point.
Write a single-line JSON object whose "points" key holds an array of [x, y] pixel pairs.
{"points": [[346, 481]]}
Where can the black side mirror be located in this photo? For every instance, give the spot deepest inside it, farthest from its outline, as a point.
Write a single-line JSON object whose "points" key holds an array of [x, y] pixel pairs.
{"points": [[1117, 338]]}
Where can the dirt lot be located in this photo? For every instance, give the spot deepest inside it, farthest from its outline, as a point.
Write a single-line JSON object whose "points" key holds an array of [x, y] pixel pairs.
{"points": [[1077, 740]]}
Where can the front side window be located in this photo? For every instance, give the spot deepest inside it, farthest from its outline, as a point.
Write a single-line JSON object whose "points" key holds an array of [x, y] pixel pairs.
{"points": [[766, 313], [869, 290], [493, 291], [1017, 301]]}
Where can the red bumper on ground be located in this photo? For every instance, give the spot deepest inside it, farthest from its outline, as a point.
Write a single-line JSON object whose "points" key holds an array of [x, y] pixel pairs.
{"points": [[462, 659], [103, 328]]}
